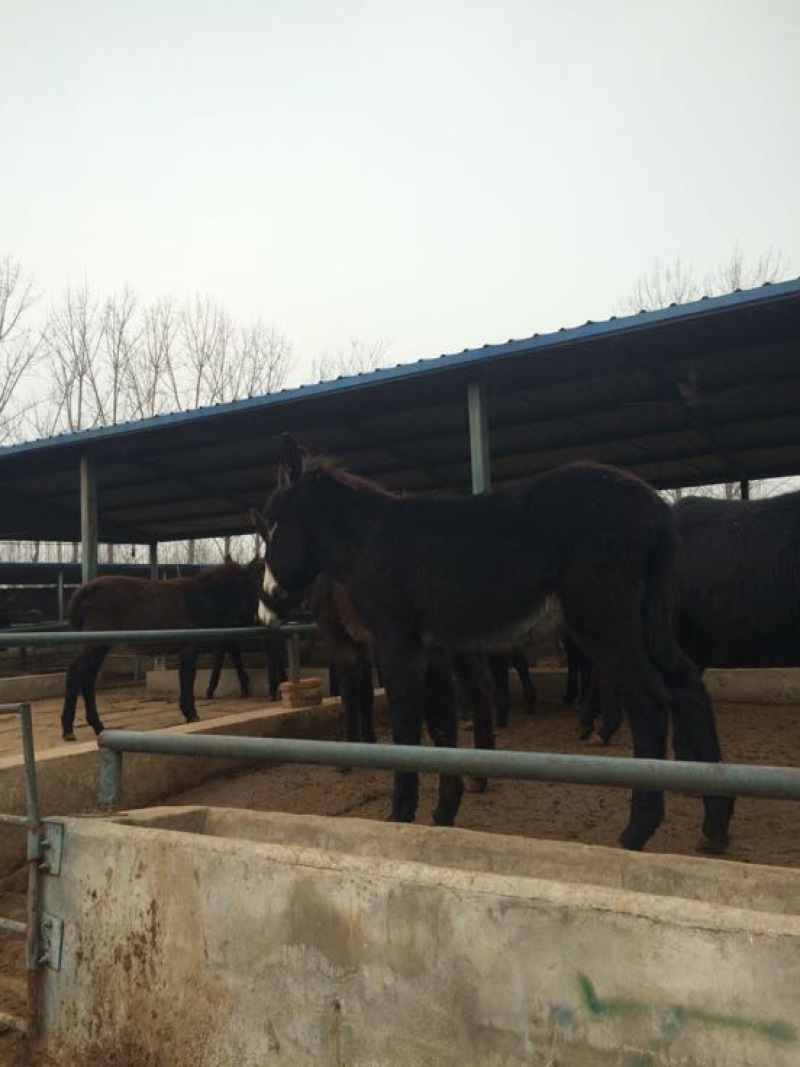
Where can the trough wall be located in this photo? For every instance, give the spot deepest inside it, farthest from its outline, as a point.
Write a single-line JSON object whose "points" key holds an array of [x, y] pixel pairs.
{"points": [[215, 938], [68, 777], [22, 688], [768, 685]]}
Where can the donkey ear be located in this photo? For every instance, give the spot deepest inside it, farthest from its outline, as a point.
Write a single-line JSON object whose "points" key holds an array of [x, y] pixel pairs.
{"points": [[259, 522], [290, 464]]}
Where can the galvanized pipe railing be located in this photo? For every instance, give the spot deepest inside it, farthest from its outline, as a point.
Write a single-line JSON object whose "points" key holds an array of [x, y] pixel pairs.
{"points": [[678, 776], [289, 631], [31, 821], [32, 638]]}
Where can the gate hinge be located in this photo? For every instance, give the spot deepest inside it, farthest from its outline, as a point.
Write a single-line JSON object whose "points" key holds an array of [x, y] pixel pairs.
{"points": [[51, 936], [52, 844]]}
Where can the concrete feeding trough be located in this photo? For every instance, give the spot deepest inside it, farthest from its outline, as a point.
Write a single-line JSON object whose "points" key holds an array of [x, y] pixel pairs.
{"points": [[232, 937]]}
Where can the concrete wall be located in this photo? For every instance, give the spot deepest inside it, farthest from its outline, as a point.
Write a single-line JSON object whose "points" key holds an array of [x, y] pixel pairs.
{"points": [[68, 778], [772, 685], [215, 938], [160, 683], [26, 687]]}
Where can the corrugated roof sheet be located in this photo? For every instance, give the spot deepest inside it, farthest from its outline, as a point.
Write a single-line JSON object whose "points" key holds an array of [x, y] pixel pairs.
{"points": [[687, 394]]}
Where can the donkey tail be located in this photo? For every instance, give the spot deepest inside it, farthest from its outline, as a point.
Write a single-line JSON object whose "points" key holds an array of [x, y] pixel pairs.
{"points": [[76, 608]]}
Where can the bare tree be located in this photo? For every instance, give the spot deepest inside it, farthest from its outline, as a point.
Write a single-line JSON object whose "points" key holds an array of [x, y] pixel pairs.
{"points": [[673, 283], [120, 337], [206, 333], [113, 359], [261, 363], [676, 284], [152, 385], [72, 338], [737, 273], [19, 342], [359, 357]]}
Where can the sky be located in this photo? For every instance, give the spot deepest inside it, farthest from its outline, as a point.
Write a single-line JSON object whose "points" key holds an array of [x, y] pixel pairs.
{"points": [[430, 174]]}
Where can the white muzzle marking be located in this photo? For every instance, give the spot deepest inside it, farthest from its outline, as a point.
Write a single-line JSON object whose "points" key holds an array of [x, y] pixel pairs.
{"points": [[265, 614]]}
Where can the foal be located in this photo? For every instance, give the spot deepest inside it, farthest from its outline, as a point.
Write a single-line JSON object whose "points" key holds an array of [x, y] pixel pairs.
{"points": [[474, 573], [224, 595]]}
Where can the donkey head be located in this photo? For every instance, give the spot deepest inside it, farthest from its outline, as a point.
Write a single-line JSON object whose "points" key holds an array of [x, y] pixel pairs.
{"points": [[290, 563]]}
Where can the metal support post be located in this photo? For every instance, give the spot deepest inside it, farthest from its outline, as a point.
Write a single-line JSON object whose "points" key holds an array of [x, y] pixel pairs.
{"points": [[293, 655], [60, 595], [478, 437], [89, 524]]}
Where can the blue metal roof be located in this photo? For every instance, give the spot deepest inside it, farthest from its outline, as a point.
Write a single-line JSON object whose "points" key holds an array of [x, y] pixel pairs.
{"points": [[659, 392]]}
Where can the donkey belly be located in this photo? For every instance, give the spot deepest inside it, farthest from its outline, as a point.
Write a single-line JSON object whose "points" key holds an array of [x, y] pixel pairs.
{"points": [[541, 623]]}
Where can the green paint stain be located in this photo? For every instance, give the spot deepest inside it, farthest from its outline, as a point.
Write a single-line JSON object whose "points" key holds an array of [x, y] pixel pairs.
{"points": [[594, 1005], [675, 1018]]}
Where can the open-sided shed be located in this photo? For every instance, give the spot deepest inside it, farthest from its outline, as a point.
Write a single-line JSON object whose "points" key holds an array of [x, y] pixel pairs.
{"points": [[692, 394]]}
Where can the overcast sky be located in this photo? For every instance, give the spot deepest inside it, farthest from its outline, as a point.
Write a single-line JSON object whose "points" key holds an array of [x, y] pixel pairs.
{"points": [[434, 173]]}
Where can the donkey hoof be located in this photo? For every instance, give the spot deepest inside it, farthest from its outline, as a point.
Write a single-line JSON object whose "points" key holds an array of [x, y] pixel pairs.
{"points": [[443, 818], [596, 740], [209, 694], [476, 785], [395, 816], [193, 718], [632, 840], [69, 735], [712, 846]]}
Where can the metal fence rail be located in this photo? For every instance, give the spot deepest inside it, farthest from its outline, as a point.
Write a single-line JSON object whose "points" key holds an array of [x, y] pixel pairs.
{"points": [[678, 776], [31, 821], [31, 638]]}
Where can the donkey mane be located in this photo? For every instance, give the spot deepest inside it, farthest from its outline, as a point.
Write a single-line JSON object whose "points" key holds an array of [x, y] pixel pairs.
{"points": [[329, 467]]}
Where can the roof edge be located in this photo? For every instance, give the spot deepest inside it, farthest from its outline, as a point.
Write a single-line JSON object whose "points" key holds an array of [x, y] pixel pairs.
{"points": [[767, 293]]}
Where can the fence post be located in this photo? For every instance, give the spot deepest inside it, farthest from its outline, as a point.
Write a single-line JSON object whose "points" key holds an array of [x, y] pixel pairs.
{"points": [[110, 779]]}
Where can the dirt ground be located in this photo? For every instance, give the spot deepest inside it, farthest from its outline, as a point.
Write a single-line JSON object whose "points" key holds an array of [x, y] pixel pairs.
{"points": [[763, 831]]}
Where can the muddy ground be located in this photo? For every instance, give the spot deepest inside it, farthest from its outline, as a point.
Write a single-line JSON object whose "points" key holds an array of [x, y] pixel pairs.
{"points": [[763, 831]]}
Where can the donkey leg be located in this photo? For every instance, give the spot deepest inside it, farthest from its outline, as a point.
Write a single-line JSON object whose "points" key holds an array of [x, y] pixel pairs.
{"points": [[440, 718], [73, 688], [366, 703], [694, 737], [520, 662], [349, 675], [611, 711], [235, 654], [216, 670], [92, 663], [71, 692], [604, 614], [276, 666], [646, 699], [574, 662], [603, 703], [187, 669], [477, 675], [403, 668], [498, 667]]}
